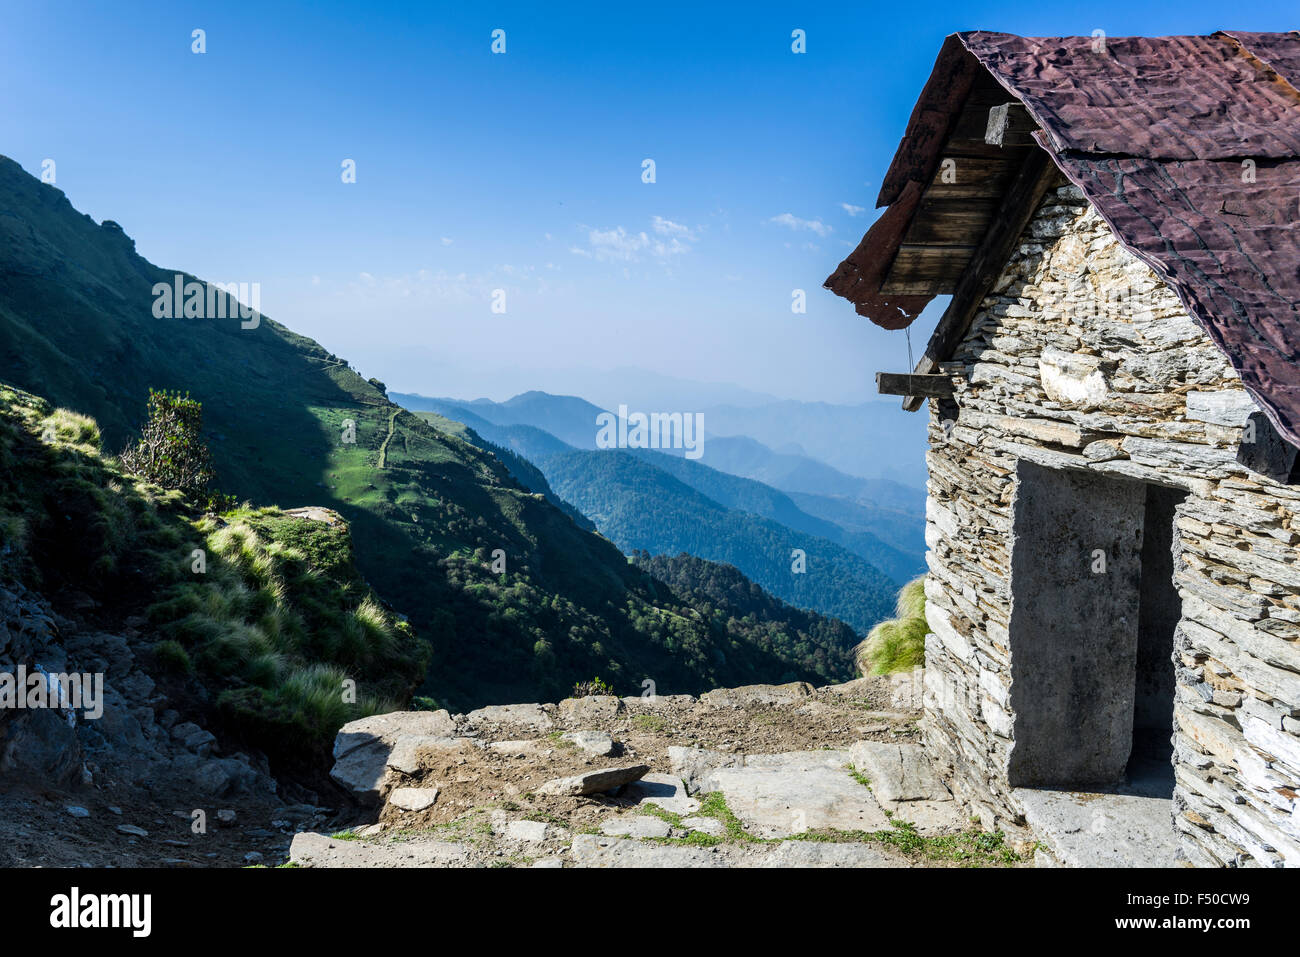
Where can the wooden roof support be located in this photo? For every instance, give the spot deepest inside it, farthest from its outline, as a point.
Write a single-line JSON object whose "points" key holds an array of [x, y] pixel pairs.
{"points": [[1037, 174], [1009, 125], [930, 386]]}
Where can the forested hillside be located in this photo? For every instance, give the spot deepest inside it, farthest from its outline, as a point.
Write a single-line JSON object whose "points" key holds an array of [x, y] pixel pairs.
{"points": [[641, 507], [804, 638]]}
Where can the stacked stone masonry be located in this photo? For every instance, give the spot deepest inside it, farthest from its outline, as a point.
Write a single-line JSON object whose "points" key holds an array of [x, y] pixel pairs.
{"points": [[1080, 358]]}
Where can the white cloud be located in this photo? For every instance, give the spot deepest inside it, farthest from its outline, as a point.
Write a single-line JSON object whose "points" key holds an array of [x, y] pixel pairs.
{"points": [[853, 210], [666, 227], [794, 222], [446, 240], [618, 245]]}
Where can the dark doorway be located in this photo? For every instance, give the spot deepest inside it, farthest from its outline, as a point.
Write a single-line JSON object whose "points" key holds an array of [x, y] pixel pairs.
{"points": [[1093, 615], [1151, 763]]}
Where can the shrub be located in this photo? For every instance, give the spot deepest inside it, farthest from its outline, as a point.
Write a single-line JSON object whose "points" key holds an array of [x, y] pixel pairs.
{"points": [[170, 452], [899, 643], [172, 656], [596, 686]]}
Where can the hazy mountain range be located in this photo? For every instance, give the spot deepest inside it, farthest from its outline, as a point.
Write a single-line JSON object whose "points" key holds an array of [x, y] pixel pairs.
{"points": [[860, 537]]}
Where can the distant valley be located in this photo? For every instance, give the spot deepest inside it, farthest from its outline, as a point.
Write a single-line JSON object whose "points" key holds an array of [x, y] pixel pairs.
{"points": [[740, 503]]}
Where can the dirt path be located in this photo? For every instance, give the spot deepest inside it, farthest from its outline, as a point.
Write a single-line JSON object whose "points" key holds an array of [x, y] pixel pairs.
{"points": [[383, 449]]}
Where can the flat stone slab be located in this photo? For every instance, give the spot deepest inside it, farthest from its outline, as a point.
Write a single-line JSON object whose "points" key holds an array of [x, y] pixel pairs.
{"points": [[799, 760], [776, 795], [598, 743], [706, 825], [640, 825], [413, 799], [930, 818], [531, 831], [1102, 830], [898, 772], [694, 764], [594, 782], [310, 849], [664, 790], [752, 696], [593, 850], [532, 716], [823, 854], [659, 702]]}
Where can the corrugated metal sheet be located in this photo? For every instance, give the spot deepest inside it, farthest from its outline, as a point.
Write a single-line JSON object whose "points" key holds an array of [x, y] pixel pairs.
{"points": [[1155, 132]]}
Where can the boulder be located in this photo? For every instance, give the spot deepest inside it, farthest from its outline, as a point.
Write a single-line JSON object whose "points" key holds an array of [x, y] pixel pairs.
{"points": [[224, 777], [594, 782], [705, 825], [364, 748], [590, 710], [412, 799], [659, 702]]}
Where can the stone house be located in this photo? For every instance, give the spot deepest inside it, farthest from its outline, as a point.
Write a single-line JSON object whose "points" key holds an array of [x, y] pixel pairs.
{"points": [[1114, 390]]}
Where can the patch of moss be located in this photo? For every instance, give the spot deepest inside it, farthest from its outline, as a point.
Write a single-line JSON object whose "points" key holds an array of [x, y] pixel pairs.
{"points": [[649, 722]]}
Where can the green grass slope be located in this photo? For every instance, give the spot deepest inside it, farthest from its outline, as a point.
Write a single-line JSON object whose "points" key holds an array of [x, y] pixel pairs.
{"points": [[256, 618]]}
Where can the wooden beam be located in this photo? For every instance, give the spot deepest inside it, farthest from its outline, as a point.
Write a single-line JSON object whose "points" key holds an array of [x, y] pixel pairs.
{"points": [[926, 270], [950, 222], [898, 383], [973, 177], [990, 258], [1009, 124]]}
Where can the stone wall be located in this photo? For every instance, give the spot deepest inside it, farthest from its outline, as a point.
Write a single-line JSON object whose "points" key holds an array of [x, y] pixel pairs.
{"points": [[1080, 358]]}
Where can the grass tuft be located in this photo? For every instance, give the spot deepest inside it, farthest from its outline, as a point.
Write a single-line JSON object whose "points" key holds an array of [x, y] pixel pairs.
{"points": [[898, 644]]}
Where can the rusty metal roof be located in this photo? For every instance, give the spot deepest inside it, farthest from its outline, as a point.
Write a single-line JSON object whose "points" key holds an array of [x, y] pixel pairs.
{"points": [[1157, 133]]}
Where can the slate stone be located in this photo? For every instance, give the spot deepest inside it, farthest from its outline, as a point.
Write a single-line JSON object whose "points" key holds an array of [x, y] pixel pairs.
{"points": [[594, 782]]}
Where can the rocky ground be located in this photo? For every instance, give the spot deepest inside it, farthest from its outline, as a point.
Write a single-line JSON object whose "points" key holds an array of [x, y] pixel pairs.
{"points": [[140, 785], [766, 775]]}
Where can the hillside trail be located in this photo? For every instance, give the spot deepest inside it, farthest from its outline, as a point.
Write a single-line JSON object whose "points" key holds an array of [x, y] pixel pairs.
{"points": [[760, 776], [383, 448]]}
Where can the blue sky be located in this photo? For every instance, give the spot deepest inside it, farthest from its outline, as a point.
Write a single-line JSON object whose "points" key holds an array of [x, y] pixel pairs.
{"points": [[518, 171]]}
